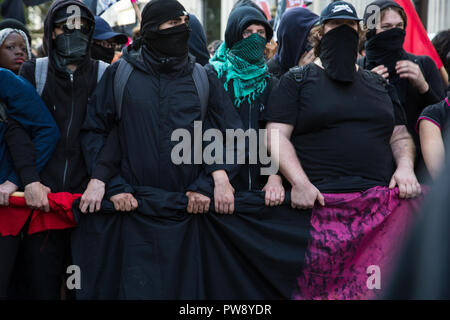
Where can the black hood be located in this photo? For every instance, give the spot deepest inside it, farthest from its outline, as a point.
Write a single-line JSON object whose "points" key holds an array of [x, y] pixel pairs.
{"points": [[239, 19], [292, 36], [197, 41], [49, 22]]}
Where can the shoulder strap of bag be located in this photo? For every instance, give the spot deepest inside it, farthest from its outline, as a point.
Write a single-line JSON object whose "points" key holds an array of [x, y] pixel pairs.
{"points": [[123, 73], [40, 74], [101, 69], [202, 85]]}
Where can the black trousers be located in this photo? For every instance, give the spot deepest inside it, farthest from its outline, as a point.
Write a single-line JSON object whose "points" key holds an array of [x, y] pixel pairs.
{"points": [[9, 247], [41, 265]]}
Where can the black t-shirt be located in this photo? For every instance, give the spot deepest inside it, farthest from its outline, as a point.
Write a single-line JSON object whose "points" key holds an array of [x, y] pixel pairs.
{"points": [[342, 131], [438, 114]]}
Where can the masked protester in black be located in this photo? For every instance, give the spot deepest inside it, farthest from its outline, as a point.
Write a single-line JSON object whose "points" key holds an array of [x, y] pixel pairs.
{"points": [[341, 131], [71, 79], [416, 78], [239, 64], [346, 127], [160, 97]]}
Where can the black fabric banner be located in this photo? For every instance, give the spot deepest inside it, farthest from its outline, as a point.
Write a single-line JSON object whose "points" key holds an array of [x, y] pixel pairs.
{"points": [[161, 252]]}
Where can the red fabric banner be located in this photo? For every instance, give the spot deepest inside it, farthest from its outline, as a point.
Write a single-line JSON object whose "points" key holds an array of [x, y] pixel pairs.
{"points": [[417, 41], [14, 217]]}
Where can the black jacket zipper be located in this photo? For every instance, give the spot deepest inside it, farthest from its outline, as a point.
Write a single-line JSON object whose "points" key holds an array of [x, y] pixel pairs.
{"points": [[67, 135]]}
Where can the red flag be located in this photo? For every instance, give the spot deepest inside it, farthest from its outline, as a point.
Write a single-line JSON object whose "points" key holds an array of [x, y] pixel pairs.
{"points": [[294, 3], [264, 5], [417, 41]]}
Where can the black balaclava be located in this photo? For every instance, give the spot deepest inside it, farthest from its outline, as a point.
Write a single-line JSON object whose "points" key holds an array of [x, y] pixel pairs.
{"points": [[172, 42], [338, 53], [385, 48], [99, 52]]}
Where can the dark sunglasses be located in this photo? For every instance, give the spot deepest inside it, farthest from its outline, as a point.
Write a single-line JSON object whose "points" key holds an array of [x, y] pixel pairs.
{"points": [[85, 28]]}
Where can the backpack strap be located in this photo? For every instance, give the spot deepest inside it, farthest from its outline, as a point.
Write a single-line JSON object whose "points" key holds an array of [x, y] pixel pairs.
{"points": [[125, 69], [3, 112], [299, 73], [123, 73], [202, 85], [101, 69], [40, 74]]}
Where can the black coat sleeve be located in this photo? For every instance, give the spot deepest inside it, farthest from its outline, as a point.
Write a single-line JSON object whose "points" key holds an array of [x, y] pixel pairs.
{"points": [[22, 152], [99, 137], [221, 115], [27, 71], [437, 90]]}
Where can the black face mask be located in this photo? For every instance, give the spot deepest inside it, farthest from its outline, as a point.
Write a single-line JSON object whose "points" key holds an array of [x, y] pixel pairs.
{"points": [[385, 48], [101, 53], [172, 42], [338, 53], [71, 48]]}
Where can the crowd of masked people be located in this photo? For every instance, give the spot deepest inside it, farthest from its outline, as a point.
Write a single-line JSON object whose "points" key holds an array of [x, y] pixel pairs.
{"points": [[71, 123]]}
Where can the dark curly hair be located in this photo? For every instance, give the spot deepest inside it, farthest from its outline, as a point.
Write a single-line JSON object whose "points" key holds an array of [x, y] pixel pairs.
{"points": [[442, 44]]}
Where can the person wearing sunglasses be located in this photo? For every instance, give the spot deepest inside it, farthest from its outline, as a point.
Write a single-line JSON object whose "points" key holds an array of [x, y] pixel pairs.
{"points": [[71, 77]]}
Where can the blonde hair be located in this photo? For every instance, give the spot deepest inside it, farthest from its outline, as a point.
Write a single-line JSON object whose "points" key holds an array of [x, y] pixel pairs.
{"points": [[317, 32]]}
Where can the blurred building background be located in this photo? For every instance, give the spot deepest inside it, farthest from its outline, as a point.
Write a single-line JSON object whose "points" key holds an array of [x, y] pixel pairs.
{"points": [[214, 13]]}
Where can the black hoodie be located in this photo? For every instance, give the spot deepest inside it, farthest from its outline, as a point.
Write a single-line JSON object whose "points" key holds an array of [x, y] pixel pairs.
{"points": [[242, 16], [66, 95], [155, 104]]}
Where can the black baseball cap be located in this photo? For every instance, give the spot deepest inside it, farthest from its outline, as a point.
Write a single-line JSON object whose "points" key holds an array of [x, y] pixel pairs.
{"points": [[339, 10], [63, 14]]}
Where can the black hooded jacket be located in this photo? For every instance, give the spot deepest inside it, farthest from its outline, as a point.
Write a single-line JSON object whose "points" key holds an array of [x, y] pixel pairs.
{"points": [[292, 38], [66, 95], [155, 104], [197, 41], [249, 177]]}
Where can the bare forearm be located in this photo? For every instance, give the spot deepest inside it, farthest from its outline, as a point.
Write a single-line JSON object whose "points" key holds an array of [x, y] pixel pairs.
{"points": [[403, 148], [290, 165]]}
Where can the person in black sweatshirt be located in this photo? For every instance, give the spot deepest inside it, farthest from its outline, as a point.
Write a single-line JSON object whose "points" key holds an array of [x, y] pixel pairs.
{"points": [[71, 78], [240, 65], [416, 78]]}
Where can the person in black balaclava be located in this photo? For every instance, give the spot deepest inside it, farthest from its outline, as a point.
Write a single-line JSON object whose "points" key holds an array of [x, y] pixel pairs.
{"points": [[71, 78], [416, 78], [160, 96]]}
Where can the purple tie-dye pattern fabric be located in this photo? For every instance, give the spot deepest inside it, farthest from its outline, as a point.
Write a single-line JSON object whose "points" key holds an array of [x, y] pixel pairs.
{"points": [[352, 232]]}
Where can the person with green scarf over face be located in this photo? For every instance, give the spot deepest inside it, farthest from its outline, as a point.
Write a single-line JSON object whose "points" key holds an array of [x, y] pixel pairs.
{"points": [[239, 63]]}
